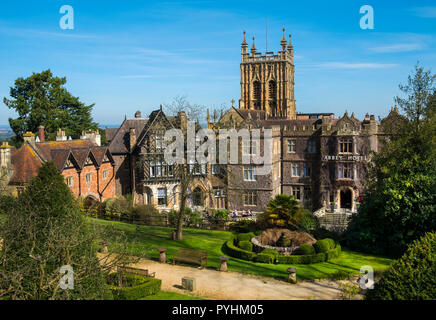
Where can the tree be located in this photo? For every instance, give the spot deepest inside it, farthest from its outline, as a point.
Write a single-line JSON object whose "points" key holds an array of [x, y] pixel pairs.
{"points": [[282, 211], [400, 202], [193, 111], [45, 231], [413, 276], [41, 99]]}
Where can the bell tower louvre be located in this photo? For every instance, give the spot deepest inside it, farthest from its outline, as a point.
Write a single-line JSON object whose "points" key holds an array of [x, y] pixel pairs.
{"points": [[267, 81]]}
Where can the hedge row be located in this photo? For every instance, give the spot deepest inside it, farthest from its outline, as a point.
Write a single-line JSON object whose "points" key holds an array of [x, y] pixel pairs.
{"points": [[236, 252], [314, 258], [137, 287], [245, 236]]}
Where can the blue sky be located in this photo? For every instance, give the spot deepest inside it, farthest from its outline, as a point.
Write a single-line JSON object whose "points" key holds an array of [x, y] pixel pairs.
{"points": [[130, 55]]}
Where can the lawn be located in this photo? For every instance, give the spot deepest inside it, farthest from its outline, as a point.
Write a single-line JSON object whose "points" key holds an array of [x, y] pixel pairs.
{"points": [[166, 295], [145, 240]]}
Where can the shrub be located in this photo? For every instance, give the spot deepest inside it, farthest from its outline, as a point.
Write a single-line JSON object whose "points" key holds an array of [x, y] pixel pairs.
{"points": [[272, 252], [283, 241], [331, 243], [413, 276], [308, 221], [245, 245], [341, 275], [265, 258], [245, 236], [236, 252], [305, 249], [136, 286], [245, 226], [149, 215], [322, 246]]}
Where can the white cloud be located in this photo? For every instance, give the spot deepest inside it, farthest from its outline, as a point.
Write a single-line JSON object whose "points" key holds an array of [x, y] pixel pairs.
{"points": [[400, 47], [425, 12], [344, 65]]}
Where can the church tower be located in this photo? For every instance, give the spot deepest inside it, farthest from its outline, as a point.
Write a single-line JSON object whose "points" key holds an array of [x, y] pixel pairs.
{"points": [[267, 81]]}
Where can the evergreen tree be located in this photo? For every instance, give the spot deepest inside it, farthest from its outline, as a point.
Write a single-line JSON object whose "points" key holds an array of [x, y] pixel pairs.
{"points": [[41, 99]]}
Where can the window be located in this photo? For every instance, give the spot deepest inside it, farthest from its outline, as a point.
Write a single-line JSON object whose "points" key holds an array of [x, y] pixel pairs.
{"points": [[346, 145], [295, 167], [311, 146], [216, 169], [250, 173], [159, 142], [249, 147], [69, 181], [162, 197], [345, 170], [88, 177], [296, 192], [220, 197], [105, 174], [197, 197], [291, 146], [256, 94], [307, 193], [307, 169], [250, 198]]}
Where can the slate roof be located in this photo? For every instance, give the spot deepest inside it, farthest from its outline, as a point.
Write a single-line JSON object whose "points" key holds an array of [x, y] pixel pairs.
{"points": [[121, 141]]}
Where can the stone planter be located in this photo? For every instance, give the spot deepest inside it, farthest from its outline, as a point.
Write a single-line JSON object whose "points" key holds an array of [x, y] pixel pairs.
{"points": [[223, 266], [162, 256], [285, 251]]}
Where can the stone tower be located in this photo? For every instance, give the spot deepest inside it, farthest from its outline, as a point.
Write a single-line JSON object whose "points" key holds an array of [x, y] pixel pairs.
{"points": [[267, 81]]}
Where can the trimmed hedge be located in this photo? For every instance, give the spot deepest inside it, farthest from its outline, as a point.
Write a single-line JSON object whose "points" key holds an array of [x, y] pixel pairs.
{"points": [[245, 236], [137, 286], [245, 245], [270, 255], [236, 252], [305, 249], [322, 246]]}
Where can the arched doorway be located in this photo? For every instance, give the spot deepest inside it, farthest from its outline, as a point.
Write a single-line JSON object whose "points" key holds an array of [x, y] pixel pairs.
{"points": [[197, 197], [346, 199], [148, 195]]}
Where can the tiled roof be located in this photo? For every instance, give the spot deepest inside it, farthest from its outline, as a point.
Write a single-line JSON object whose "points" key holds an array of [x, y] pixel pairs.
{"points": [[44, 148], [120, 142], [110, 133], [26, 164]]}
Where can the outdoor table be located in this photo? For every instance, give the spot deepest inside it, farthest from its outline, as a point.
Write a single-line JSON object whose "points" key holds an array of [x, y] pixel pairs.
{"points": [[162, 256], [223, 266]]}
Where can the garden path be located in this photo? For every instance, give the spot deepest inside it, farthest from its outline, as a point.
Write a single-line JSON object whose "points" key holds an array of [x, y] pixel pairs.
{"points": [[212, 284]]}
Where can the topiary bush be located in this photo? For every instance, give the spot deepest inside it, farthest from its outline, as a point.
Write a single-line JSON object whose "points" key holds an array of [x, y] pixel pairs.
{"points": [[305, 249], [322, 246], [245, 245], [283, 241], [133, 287], [413, 276], [272, 252]]}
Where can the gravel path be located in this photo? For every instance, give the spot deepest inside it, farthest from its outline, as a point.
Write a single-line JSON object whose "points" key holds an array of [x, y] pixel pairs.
{"points": [[212, 284]]}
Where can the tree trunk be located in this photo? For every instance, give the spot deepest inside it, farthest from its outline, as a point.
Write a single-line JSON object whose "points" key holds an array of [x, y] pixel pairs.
{"points": [[179, 235]]}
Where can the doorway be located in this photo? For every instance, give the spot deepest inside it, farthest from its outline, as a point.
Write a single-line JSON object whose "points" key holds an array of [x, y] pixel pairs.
{"points": [[346, 197]]}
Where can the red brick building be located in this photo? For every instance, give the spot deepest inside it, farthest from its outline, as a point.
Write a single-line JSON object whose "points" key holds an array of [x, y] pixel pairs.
{"points": [[87, 167]]}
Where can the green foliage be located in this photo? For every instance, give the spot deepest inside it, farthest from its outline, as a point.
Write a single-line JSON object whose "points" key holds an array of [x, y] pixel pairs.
{"points": [[221, 215], [341, 275], [283, 241], [308, 221], [236, 252], [119, 207], [41, 99], [305, 249], [190, 218], [133, 287], [149, 215], [245, 236], [244, 226], [272, 252], [245, 245], [282, 211], [413, 276], [322, 246], [265, 258], [44, 231], [309, 259], [400, 202]]}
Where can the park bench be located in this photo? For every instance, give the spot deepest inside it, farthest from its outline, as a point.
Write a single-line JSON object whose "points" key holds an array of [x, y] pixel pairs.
{"points": [[137, 271], [190, 255]]}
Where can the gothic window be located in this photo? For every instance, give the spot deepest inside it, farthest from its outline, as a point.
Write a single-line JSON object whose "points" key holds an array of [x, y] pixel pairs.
{"points": [[197, 197], [256, 94], [272, 91]]}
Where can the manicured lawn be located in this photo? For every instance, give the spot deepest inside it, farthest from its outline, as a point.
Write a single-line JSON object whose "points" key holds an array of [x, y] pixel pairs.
{"points": [[165, 295], [146, 239]]}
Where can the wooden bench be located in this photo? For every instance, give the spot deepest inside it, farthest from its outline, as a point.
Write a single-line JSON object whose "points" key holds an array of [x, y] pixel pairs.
{"points": [[137, 271], [190, 255]]}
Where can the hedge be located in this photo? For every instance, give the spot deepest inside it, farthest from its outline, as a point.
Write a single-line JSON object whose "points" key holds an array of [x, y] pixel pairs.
{"points": [[137, 286], [265, 258], [272, 252], [245, 236], [322, 246], [236, 252], [245, 245], [305, 249]]}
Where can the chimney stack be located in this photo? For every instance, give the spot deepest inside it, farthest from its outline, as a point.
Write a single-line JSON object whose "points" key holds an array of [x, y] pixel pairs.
{"points": [[60, 136], [138, 114], [41, 134], [5, 155], [29, 138]]}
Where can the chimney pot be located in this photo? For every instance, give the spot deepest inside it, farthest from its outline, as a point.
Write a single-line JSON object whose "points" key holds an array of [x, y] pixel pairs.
{"points": [[41, 133]]}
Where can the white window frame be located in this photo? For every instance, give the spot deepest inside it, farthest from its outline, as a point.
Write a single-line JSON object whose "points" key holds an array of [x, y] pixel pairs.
{"points": [[250, 173]]}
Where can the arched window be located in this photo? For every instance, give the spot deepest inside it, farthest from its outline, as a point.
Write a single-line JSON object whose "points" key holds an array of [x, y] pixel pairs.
{"points": [[256, 94], [272, 92]]}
